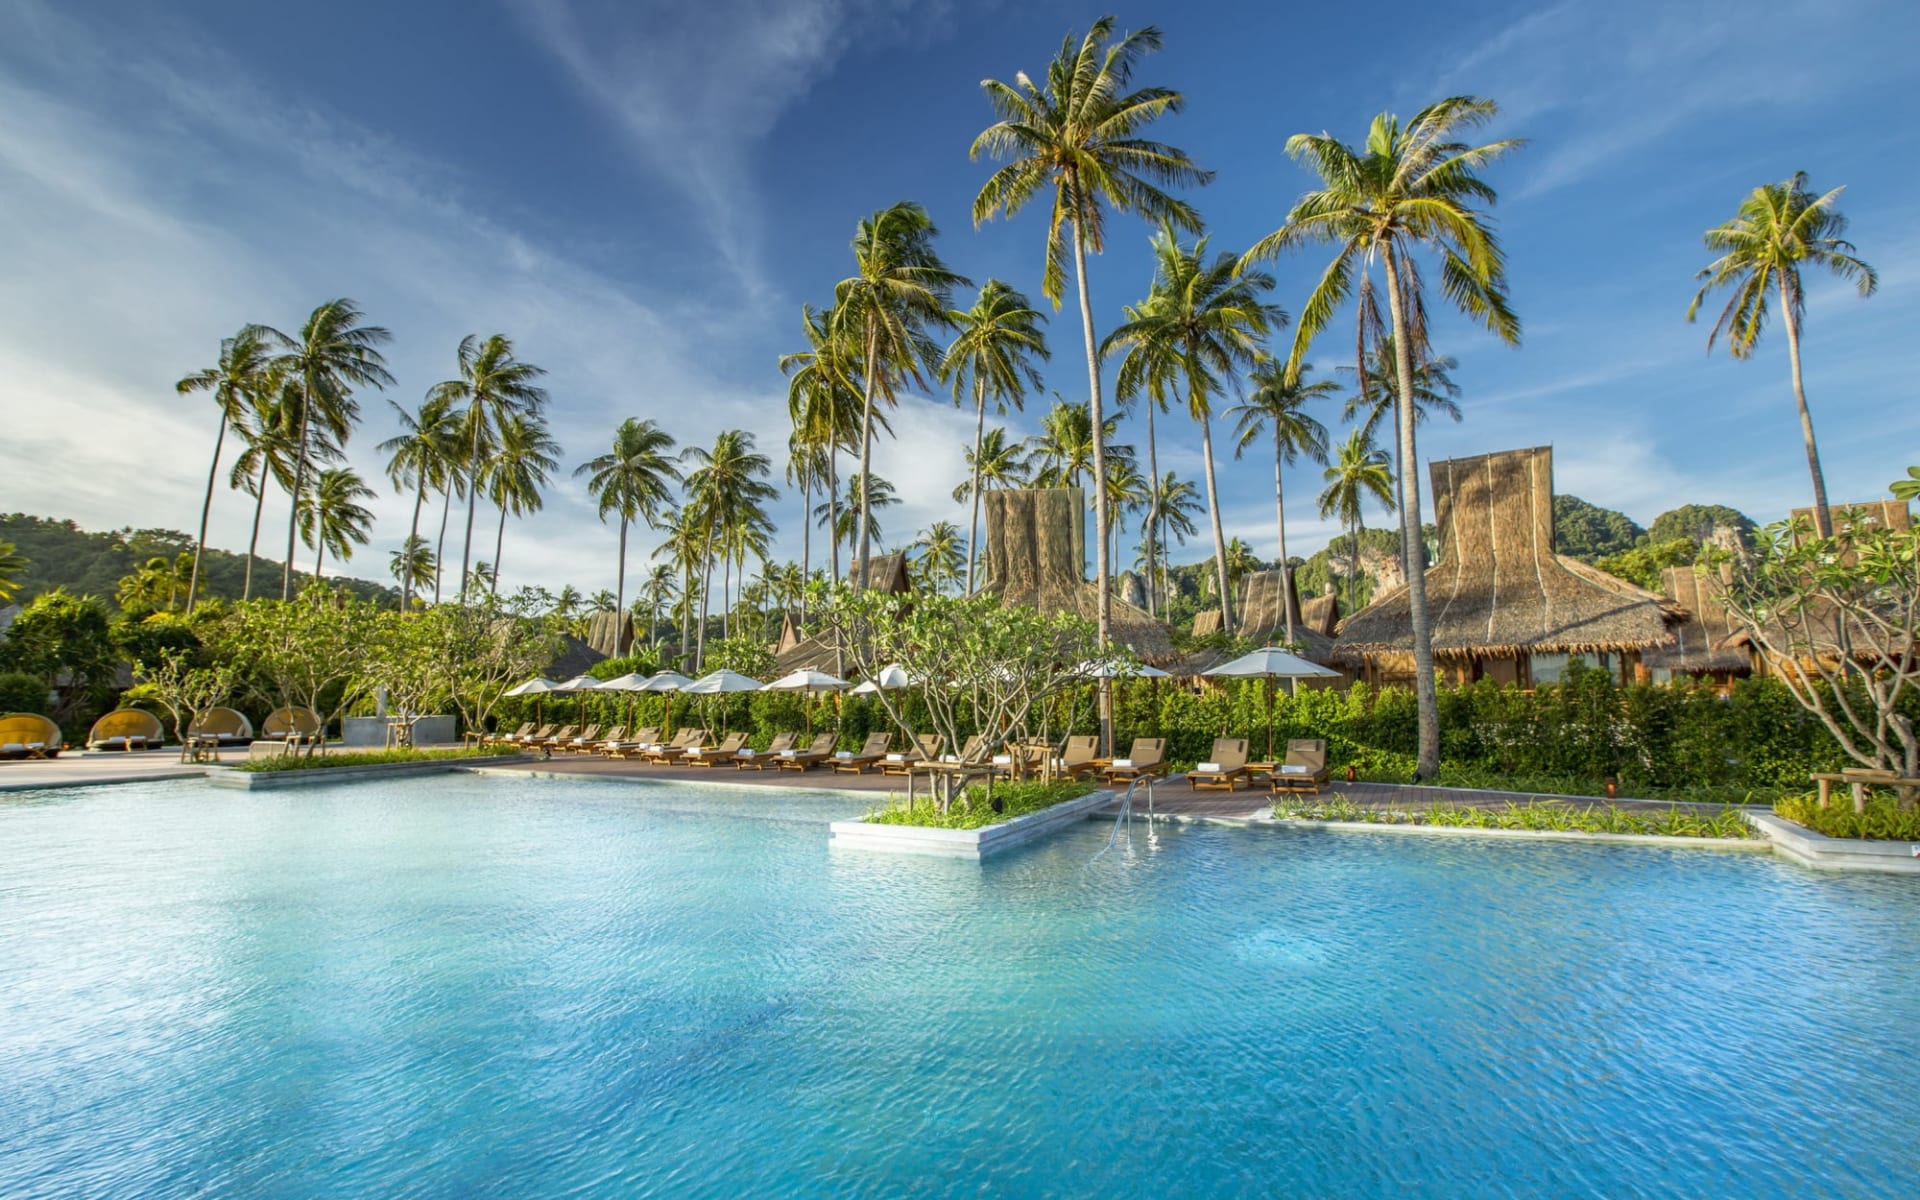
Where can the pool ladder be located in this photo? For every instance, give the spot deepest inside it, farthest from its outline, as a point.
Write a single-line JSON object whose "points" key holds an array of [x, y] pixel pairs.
{"points": [[1124, 818]]}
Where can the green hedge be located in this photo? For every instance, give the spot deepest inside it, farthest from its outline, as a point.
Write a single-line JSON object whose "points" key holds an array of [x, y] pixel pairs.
{"points": [[1884, 819]]}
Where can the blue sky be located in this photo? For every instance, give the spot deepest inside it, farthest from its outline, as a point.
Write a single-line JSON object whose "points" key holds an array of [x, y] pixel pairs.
{"points": [[642, 195]]}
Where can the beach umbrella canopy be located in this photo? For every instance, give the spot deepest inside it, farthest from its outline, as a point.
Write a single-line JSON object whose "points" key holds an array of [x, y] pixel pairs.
{"points": [[1271, 663], [631, 682], [580, 685], [1124, 671], [806, 679], [537, 687], [668, 682], [891, 678], [720, 682]]}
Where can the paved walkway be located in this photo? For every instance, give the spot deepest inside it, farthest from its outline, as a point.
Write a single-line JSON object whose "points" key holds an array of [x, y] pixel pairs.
{"points": [[74, 769]]}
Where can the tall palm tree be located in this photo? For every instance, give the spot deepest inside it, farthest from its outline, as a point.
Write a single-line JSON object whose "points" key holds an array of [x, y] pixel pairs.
{"points": [[635, 479], [1779, 228], [332, 354], [1372, 401], [807, 467], [1062, 454], [658, 587], [232, 380], [1127, 491], [824, 398], [520, 467], [411, 563], [422, 458], [1279, 402], [1174, 502], [1000, 462], [842, 518], [1204, 321], [898, 291], [938, 553], [331, 516], [1078, 136], [725, 489], [1146, 373], [993, 356], [1411, 186], [685, 548], [1357, 472], [492, 386], [271, 430]]}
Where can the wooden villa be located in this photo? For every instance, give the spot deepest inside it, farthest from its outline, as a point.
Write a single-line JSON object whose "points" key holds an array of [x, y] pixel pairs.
{"points": [[1504, 605]]}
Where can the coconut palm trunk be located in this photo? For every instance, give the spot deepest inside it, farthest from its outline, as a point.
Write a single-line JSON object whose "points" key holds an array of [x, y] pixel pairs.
{"points": [[1280, 526], [833, 506], [213, 473], [1219, 534], [499, 545], [1103, 598], [620, 590], [253, 541], [473, 499], [1152, 528], [979, 435], [413, 540], [1822, 520], [1412, 547], [864, 550], [706, 589], [440, 547], [806, 537], [299, 485]]}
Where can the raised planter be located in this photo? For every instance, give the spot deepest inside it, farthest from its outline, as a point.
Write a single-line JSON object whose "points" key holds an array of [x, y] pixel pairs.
{"points": [[1822, 853], [1669, 841], [256, 781], [372, 731], [974, 844]]}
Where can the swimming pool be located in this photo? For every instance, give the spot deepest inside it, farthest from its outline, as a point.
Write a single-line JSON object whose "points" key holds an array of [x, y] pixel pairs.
{"points": [[466, 986]]}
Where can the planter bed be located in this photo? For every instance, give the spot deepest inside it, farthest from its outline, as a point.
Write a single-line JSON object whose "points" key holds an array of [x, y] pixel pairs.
{"points": [[1822, 853], [974, 844]]}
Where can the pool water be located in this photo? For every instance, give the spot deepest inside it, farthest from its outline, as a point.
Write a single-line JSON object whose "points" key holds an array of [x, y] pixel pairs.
{"points": [[476, 986]]}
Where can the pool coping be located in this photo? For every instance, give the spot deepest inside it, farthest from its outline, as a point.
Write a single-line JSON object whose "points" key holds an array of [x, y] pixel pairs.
{"points": [[971, 844], [256, 781], [1669, 841], [720, 782], [1818, 852]]}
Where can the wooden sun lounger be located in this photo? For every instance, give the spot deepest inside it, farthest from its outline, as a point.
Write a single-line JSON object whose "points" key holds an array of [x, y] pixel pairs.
{"points": [[1225, 769], [565, 733], [1079, 756], [857, 763], [818, 751], [701, 756], [646, 735], [1305, 767], [673, 751], [926, 746], [760, 760], [507, 739], [586, 740], [1148, 756]]}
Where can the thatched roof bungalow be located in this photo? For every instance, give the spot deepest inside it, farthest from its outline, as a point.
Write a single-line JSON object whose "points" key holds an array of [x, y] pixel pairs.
{"points": [[796, 650], [1259, 615], [1708, 641], [1504, 605], [1817, 632]]}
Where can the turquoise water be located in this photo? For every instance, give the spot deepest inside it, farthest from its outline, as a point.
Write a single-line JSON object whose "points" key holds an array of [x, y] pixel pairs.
{"points": [[469, 986]]}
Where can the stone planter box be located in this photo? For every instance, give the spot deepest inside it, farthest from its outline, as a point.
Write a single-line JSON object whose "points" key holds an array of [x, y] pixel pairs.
{"points": [[372, 731], [1802, 845], [256, 781], [974, 844]]}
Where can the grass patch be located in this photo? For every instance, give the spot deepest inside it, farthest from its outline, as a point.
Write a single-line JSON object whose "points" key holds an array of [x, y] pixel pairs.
{"points": [[1537, 816], [1884, 819], [973, 811], [366, 758]]}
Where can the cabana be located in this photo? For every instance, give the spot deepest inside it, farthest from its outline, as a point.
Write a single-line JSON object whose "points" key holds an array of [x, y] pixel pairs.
{"points": [[127, 729], [229, 725], [292, 721], [28, 735], [1504, 605]]}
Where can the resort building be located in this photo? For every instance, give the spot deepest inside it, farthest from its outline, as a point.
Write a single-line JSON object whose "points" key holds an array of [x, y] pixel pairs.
{"points": [[1708, 642], [796, 650], [1258, 614], [1504, 605]]}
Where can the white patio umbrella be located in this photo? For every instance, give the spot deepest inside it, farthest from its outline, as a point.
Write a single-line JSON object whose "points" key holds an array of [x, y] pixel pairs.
{"points": [[1271, 663], [631, 683], [721, 682], [579, 685], [810, 681], [1125, 671], [668, 682], [891, 678], [537, 687]]}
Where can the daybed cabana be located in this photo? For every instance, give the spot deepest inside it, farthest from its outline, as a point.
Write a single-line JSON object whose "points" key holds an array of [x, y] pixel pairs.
{"points": [[283, 722], [127, 729], [231, 726], [28, 735], [1504, 606]]}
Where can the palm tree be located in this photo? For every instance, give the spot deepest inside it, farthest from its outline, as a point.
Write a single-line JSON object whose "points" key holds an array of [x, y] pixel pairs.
{"points": [[685, 548], [1176, 502], [411, 563], [333, 354], [1279, 400], [492, 386], [1358, 471], [725, 490], [899, 289], [635, 479], [233, 380], [1204, 320], [659, 588], [1146, 373], [841, 518], [807, 467], [1779, 227], [824, 401], [12, 566], [518, 470], [1127, 491], [1063, 453], [1000, 463], [1079, 137], [1371, 403], [940, 549], [271, 431], [999, 339], [1411, 186], [331, 516], [423, 457]]}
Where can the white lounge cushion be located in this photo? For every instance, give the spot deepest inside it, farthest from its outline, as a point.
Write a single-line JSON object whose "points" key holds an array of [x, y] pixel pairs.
{"points": [[1123, 762], [1295, 769], [843, 754], [1209, 768], [12, 747], [896, 758], [1001, 760], [789, 753]]}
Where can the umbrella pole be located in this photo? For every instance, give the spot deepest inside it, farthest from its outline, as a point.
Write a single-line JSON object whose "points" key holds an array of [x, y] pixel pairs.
{"points": [[1269, 718]]}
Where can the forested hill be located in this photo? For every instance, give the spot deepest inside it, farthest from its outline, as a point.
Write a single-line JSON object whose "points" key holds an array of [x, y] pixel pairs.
{"points": [[61, 554]]}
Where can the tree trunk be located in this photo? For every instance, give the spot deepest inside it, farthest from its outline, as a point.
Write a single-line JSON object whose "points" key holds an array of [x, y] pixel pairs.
{"points": [[864, 548], [253, 542], [833, 505], [1102, 568], [1280, 526], [979, 434], [299, 485], [806, 537], [499, 548], [1822, 519], [473, 498], [620, 590], [206, 510], [1152, 528], [1353, 574], [413, 541], [706, 586], [319, 548], [440, 547], [1219, 534], [1412, 547]]}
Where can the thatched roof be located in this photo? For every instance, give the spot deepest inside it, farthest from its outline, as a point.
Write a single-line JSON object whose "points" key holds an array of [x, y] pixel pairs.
{"points": [[1260, 616], [1498, 587], [1036, 555], [1704, 641], [1893, 514], [609, 633], [575, 659], [1322, 614], [888, 572]]}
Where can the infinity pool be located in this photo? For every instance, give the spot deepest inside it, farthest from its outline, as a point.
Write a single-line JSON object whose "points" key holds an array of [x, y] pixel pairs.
{"points": [[475, 986]]}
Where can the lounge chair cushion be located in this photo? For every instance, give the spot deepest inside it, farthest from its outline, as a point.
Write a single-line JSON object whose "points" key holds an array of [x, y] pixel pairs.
{"points": [[1211, 768], [1123, 762], [1295, 769], [896, 758]]}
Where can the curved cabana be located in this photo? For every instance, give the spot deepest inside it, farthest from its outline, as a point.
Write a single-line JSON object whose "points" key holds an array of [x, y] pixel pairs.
{"points": [[229, 725], [293, 719], [126, 729], [28, 735]]}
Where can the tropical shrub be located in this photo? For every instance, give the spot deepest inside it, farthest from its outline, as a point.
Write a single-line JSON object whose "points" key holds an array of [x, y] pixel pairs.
{"points": [[20, 692], [1884, 818]]}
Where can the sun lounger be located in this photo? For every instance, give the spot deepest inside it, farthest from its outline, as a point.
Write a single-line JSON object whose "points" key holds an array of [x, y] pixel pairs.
{"points": [[818, 751], [1078, 756], [565, 733], [675, 750], [646, 735], [926, 746], [1305, 768], [869, 754], [760, 760], [586, 740], [28, 735], [507, 739], [1146, 757], [1226, 767], [1018, 760], [711, 756]]}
